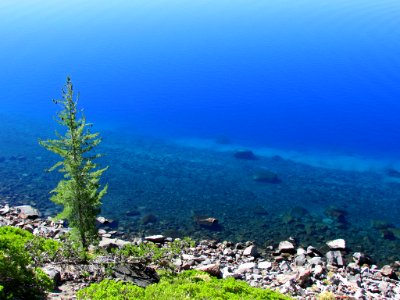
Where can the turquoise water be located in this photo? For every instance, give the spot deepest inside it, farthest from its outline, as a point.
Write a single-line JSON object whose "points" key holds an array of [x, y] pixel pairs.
{"points": [[314, 82]]}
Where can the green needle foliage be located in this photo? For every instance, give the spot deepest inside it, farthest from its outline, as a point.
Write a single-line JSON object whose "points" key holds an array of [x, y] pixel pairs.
{"points": [[80, 191]]}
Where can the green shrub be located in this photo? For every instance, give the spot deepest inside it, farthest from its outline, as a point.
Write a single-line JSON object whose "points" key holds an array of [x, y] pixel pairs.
{"points": [[149, 252], [186, 285], [20, 251], [110, 289]]}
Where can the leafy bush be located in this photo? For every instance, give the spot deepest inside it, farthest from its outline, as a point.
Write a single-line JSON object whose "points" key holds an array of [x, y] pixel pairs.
{"points": [[20, 251], [186, 285]]}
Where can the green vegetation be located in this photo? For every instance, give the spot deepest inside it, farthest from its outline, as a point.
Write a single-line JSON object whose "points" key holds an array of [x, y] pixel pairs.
{"points": [[186, 285], [20, 253], [149, 252], [79, 192]]}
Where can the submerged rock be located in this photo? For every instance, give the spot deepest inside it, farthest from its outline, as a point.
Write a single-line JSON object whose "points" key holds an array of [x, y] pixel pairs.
{"points": [[245, 154], [297, 213], [392, 173], [259, 210], [147, 219], [206, 222], [132, 213], [336, 214], [223, 140], [381, 225], [266, 177]]}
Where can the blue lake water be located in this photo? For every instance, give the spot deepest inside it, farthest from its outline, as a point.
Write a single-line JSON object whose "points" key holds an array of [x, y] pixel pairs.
{"points": [[314, 82]]}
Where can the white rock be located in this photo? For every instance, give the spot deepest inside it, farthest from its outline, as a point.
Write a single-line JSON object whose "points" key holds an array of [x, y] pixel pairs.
{"points": [[107, 243], [120, 243], [285, 246], [158, 238], [339, 244], [250, 251], [226, 273], [246, 267], [265, 265], [188, 257], [229, 252], [301, 251], [318, 270]]}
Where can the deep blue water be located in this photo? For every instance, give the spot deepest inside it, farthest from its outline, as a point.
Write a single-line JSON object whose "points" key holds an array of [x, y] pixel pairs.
{"points": [[302, 75], [315, 81]]}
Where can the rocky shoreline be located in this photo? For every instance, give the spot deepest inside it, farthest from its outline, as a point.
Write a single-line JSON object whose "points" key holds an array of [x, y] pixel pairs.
{"points": [[303, 273]]}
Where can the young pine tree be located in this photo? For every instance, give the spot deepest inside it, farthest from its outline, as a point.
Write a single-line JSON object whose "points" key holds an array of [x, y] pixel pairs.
{"points": [[79, 192]]}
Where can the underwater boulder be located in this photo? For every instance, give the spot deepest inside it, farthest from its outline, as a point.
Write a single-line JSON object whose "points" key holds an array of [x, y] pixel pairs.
{"points": [[277, 158], [147, 219], [265, 176], [259, 210], [223, 140], [392, 173], [245, 154], [295, 214], [387, 234], [132, 213], [396, 232], [381, 225], [336, 214], [203, 219], [208, 222]]}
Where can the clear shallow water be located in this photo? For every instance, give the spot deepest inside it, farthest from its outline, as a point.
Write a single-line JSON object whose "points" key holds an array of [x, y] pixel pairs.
{"points": [[316, 80]]}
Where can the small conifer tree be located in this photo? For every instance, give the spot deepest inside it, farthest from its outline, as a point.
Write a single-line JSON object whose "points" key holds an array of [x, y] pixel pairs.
{"points": [[80, 191]]}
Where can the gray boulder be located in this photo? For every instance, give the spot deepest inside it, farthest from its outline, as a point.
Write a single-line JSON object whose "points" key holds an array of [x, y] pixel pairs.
{"points": [[137, 273], [28, 212], [54, 274]]}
